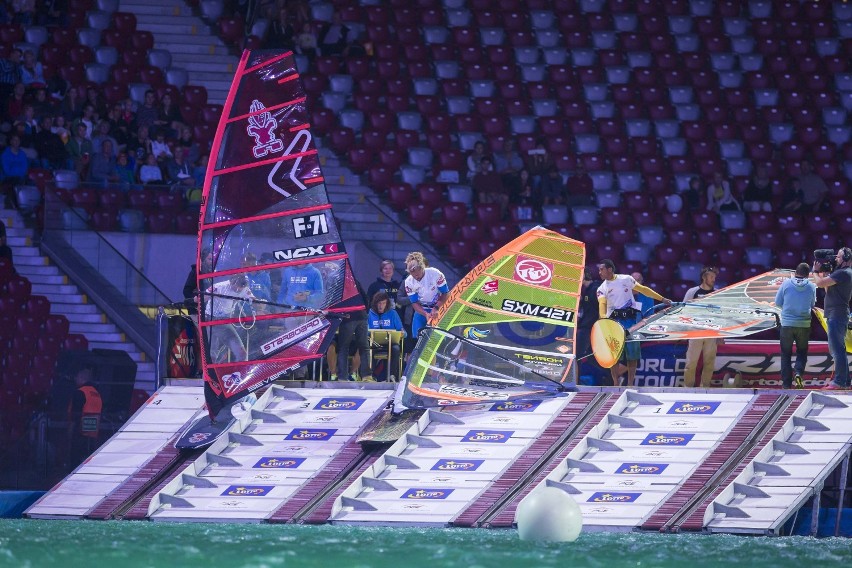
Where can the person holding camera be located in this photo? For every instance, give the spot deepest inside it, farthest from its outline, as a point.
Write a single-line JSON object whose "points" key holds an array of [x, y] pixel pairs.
{"points": [[838, 291], [796, 297], [616, 301]]}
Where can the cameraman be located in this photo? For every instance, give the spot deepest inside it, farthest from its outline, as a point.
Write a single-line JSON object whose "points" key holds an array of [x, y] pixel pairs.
{"points": [[838, 291]]}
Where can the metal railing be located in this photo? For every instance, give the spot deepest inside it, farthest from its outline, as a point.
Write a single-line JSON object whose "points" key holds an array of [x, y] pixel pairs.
{"points": [[120, 289]]}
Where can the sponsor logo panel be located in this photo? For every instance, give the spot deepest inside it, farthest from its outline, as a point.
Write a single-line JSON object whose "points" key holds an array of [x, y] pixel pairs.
{"points": [[488, 436], [515, 406], [311, 434], [685, 407], [641, 468], [424, 493], [278, 463], [663, 439], [533, 271], [248, 490], [339, 404], [457, 465], [613, 497]]}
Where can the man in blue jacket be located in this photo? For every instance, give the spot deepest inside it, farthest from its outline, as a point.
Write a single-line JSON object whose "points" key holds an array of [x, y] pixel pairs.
{"points": [[796, 297]]}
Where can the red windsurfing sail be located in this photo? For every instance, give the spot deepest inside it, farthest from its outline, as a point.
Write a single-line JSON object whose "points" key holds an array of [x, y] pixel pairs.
{"points": [[279, 280]]}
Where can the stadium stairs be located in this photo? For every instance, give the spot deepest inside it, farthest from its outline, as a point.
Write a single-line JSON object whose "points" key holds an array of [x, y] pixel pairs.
{"points": [[66, 299], [206, 59]]}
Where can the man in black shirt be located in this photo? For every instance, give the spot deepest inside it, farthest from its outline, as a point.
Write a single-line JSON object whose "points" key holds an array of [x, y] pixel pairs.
{"points": [[838, 292]]}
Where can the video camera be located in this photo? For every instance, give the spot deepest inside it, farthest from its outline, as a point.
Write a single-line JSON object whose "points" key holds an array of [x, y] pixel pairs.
{"points": [[825, 260]]}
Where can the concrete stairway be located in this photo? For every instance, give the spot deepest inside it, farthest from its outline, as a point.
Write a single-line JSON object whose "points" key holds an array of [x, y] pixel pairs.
{"points": [[66, 299], [204, 56]]}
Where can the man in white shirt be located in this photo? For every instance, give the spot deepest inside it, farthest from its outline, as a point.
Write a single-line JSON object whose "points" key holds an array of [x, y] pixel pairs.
{"points": [[701, 348], [427, 289], [616, 301], [224, 302]]}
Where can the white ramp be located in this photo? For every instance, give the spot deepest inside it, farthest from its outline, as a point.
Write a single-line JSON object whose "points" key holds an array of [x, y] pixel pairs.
{"points": [[127, 452], [447, 459], [788, 471], [288, 438], [646, 447]]}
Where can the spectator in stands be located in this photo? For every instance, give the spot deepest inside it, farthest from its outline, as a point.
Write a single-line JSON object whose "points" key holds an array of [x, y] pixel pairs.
{"points": [[160, 148], [199, 172], [80, 149], [117, 128], [94, 98], [150, 172], [72, 105], [179, 172], [51, 151], [334, 36], [16, 102], [190, 147], [15, 163], [281, 33], [813, 187], [528, 195], [32, 72], [29, 123], [103, 167], [793, 197], [140, 145], [101, 135], [758, 192], [168, 118], [580, 190], [474, 160], [125, 170], [544, 174], [89, 119], [60, 129], [148, 113], [382, 316], [42, 104], [692, 194], [488, 186], [10, 75], [508, 164], [719, 196], [306, 41]]}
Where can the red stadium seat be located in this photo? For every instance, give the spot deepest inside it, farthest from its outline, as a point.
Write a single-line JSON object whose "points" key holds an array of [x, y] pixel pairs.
{"points": [[419, 215], [441, 233], [160, 222], [195, 95], [487, 213], [232, 29], [75, 342], [125, 22], [401, 195], [460, 252]]}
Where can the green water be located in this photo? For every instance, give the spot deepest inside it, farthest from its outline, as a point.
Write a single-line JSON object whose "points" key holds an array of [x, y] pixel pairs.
{"points": [[93, 544]]}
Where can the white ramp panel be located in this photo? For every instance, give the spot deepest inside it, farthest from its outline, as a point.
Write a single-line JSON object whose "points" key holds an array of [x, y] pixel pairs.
{"points": [[268, 455], [644, 449], [788, 471], [138, 440], [443, 463]]}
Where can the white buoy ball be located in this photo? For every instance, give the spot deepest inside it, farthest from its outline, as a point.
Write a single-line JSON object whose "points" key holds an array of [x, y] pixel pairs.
{"points": [[549, 514]]}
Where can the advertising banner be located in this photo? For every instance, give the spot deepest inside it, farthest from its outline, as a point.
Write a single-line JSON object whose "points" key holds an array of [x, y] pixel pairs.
{"points": [[757, 362]]}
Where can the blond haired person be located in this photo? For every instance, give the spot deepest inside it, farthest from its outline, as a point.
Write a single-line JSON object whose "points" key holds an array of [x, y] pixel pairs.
{"points": [[427, 289]]}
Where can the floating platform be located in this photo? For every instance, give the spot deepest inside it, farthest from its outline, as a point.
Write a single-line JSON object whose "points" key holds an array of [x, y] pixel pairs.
{"points": [[720, 460]]}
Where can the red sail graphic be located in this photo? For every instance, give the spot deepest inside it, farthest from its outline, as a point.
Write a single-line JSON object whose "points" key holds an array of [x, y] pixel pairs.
{"points": [[279, 281]]}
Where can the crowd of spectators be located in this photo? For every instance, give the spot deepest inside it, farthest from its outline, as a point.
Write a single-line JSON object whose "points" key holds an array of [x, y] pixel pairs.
{"points": [[53, 125]]}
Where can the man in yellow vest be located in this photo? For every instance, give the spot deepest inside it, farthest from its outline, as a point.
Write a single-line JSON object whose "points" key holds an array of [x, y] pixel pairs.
{"points": [[84, 415]]}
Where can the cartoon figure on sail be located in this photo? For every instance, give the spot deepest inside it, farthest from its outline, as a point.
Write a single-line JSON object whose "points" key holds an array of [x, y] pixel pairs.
{"points": [[266, 218], [735, 311], [505, 332]]}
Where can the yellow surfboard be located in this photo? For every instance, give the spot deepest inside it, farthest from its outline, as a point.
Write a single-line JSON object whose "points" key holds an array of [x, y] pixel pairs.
{"points": [[607, 342], [821, 317]]}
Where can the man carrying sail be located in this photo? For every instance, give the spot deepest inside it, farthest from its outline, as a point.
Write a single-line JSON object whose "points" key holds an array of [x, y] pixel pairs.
{"points": [[616, 301], [427, 289]]}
